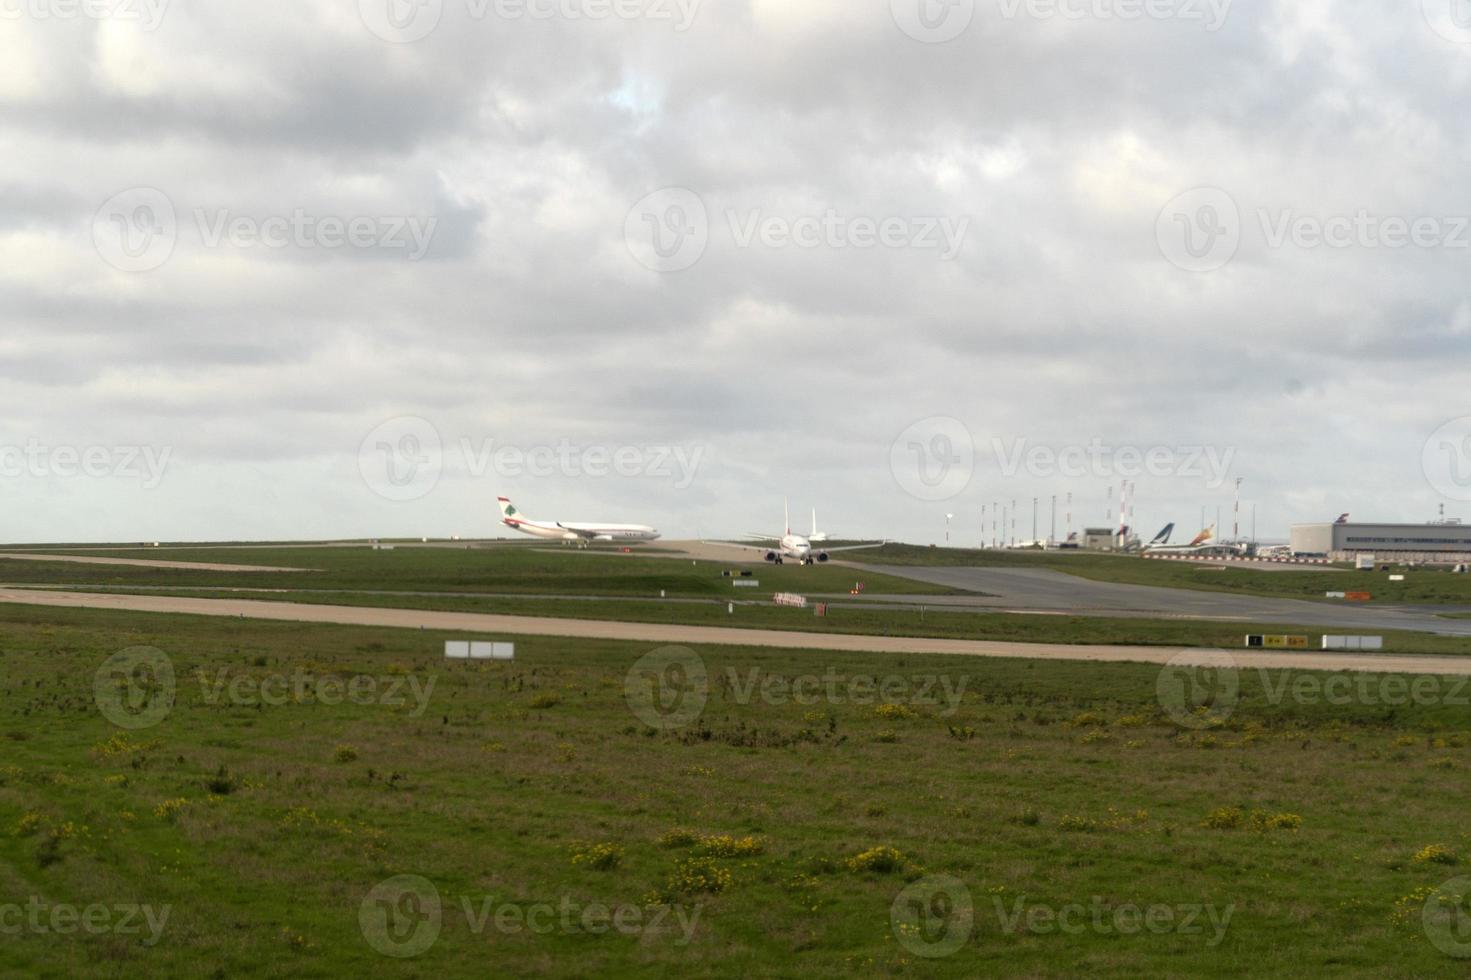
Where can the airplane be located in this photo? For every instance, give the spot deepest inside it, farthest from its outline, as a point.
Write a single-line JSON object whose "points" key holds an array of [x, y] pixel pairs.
{"points": [[1203, 542], [796, 546], [1163, 537], [574, 533]]}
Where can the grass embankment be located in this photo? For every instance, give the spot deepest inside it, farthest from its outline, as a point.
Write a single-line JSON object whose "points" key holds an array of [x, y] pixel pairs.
{"points": [[1304, 823]]}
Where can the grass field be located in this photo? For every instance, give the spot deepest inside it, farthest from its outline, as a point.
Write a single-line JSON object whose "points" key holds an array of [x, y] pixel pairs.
{"points": [[1088, 820], [502, 568], [868, 618], [1420, 586], [532, 568]]}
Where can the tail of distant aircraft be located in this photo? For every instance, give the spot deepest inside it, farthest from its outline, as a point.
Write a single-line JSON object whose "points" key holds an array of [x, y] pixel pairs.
{"points": [[509, 514], [1203, 537], [1163, 537]]}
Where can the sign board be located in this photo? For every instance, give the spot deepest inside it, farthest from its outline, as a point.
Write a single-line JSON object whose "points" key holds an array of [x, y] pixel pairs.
{"points": [[1364, 563], [1396, 578], [745, 583], [1271, 642], [1358, 596], [1353, 643], [478, 650], [1336, 595]]}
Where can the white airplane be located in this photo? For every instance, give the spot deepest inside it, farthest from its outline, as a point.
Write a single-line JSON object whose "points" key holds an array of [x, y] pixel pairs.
{"points": [[1203, 543], [577, 533], [797, 547]]}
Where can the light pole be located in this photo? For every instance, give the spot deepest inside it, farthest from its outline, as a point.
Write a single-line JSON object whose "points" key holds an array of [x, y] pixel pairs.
{"points": [[948, 517]]}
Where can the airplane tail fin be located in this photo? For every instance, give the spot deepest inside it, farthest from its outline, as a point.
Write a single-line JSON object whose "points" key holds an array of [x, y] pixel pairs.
{"points": [[509, 513], [816, 534], [1204, 536], [1163, 537]]}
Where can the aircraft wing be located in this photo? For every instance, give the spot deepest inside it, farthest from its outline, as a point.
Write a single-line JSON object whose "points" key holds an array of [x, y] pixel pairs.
{"points": [[581, 533], [855, 547], [743, 547]]}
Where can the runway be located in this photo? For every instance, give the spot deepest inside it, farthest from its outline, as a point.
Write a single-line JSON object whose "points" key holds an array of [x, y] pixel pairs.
{"points": [[656, 633], [1045, 590]]}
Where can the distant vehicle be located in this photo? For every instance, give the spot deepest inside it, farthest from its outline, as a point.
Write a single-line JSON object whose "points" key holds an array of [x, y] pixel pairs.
{"points": [[792, 546], [574, 532]]}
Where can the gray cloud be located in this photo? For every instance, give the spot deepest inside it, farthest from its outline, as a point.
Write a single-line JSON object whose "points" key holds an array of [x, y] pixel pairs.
{"points": [[529, 320]]}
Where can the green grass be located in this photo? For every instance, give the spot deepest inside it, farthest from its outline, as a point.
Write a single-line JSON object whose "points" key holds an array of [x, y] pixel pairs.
{"points": [[501, 568], [1048, 785], [1429, 586], [864, 618]]}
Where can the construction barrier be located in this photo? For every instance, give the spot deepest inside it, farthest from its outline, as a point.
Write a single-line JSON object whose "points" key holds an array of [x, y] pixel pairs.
{"points": [[790, 599]]}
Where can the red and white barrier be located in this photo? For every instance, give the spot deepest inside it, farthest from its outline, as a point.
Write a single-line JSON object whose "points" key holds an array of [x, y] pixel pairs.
{"points": [[1241, 559]]}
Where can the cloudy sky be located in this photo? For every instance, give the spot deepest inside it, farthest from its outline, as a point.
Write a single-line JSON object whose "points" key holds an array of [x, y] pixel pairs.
{"points": [[313, 268]]}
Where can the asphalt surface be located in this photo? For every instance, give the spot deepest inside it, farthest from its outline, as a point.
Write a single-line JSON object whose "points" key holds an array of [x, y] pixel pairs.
{"points": [[658, 633], [1045, 590]]}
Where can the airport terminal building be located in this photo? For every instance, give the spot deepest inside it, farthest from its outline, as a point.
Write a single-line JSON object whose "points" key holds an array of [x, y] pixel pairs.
{"points": [[1444, 542]]}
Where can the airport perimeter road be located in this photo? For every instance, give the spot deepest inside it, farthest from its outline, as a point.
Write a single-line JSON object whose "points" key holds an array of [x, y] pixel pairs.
{"points": [[720, 636], [1045, 590]]}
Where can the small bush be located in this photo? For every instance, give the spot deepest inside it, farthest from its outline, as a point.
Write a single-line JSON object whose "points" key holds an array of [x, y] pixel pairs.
{"points": [[1261, 820], [1225, 818], [222, 783], [881, 860], [345, 753], [1028, 817], [599, 857], [726, 846], [678, 837], [1435, 854], [699, 875]]}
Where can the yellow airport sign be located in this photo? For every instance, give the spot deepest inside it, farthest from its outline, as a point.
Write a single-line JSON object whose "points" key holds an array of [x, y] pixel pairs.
{"points": [[1277, 642]]}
